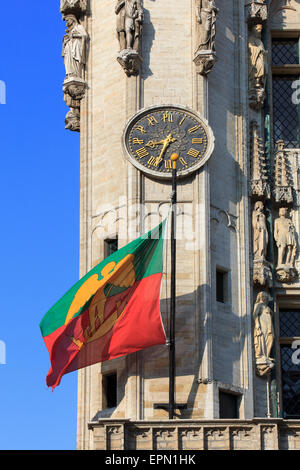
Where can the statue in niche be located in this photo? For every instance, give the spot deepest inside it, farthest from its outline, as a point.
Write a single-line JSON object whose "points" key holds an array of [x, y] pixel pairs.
{"points": [[74, 47], [263, 333], [260, 232], [257, 67], [284, 234], [206, 14], [130, 17]]}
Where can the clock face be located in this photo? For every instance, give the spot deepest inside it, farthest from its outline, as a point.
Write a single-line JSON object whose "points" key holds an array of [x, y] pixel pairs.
{"points": [[153, 134]]}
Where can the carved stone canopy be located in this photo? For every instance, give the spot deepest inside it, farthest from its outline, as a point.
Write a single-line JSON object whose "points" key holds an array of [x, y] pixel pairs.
{"points": [[259, 184], [73, 6], [283, 179], [257, 12]]}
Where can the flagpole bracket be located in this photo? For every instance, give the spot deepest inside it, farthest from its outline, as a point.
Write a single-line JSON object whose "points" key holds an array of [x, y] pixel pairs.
{"points": [[165, 406]]}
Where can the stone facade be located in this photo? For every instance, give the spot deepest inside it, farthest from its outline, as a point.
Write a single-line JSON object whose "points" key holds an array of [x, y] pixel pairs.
{"points": [[214, 339]]}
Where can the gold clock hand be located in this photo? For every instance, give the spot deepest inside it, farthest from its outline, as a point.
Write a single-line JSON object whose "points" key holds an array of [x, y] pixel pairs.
{"points": [[167, 141], [164, 142]]}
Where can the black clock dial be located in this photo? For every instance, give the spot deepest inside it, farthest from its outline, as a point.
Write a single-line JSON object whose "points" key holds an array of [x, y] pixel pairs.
{"points": [[156, 133]]}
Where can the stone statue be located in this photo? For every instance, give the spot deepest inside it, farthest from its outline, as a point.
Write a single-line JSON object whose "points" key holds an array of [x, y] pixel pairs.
{"points": [[284, 234], [263, 333], [130, 17], [74, 47], [260, 232], [206, 14], [257, 67]]}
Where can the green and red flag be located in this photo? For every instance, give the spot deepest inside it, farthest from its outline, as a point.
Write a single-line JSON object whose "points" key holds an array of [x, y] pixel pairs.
{"points": [[112, 311]]}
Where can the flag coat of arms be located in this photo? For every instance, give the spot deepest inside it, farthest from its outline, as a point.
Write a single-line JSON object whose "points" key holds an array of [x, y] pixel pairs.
{"points": [[114, 310]]}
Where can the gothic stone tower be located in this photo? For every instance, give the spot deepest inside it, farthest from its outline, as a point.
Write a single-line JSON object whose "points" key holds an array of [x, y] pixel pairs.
{"points": [[230, 67]]}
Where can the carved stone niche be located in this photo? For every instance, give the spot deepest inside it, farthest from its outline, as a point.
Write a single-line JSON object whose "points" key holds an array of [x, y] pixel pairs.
{"points": [[262, 274], [263, 334], [286, 241], [205, 56], [283, 179], [78, 7], [130, 19], [257, 60], [257, 12]]}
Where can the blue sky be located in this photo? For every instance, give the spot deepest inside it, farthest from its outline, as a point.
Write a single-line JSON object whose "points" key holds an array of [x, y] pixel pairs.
{"points": [[40, 224]]}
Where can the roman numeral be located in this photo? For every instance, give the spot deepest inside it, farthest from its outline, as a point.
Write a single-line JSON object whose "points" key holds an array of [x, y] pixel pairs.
{"points": [[153, 161], [137, 141], [142, 152], [182, 120], [183, 162], [193, 153], [152, 120], [141, 129], [197, 141], [168, 117], [194, 129]]}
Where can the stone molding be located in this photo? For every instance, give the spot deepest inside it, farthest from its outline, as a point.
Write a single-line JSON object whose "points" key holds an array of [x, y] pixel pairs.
{"points": [[255, 434]]}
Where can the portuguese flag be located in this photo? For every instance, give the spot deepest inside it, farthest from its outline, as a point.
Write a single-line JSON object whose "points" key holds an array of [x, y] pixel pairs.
{"points": [[112, 311]]}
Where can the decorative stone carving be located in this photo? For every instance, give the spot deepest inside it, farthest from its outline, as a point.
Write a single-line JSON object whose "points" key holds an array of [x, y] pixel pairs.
{"points": [[257, 68], [257, 11], [74, 91], [283, 180], [73, 6], [260, 232], [130, 17], [261, 268], [74, 53], [260, 186], [205, 56], [284, 234], [263, 334], [74, 47], [72, 120], [262, 273]]}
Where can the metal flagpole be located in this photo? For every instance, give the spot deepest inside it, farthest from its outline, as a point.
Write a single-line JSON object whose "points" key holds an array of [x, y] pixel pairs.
{"points": [[174, 158]]}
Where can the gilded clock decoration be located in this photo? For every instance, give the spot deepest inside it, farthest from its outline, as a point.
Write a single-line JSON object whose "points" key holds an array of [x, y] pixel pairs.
{"points": [[153, 134]]}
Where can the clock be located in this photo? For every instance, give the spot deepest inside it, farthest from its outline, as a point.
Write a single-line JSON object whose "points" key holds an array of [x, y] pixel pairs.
{"points": [[153, 134]]}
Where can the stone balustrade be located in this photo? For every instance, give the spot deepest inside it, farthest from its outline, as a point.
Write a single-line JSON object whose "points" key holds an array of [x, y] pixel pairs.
{"points": [[256, 434]]}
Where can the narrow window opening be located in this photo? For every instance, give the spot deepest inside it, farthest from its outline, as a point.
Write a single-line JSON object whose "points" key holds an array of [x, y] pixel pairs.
{"points": [[229, 405], [110, 390], [221, 277], [110, 246]]}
